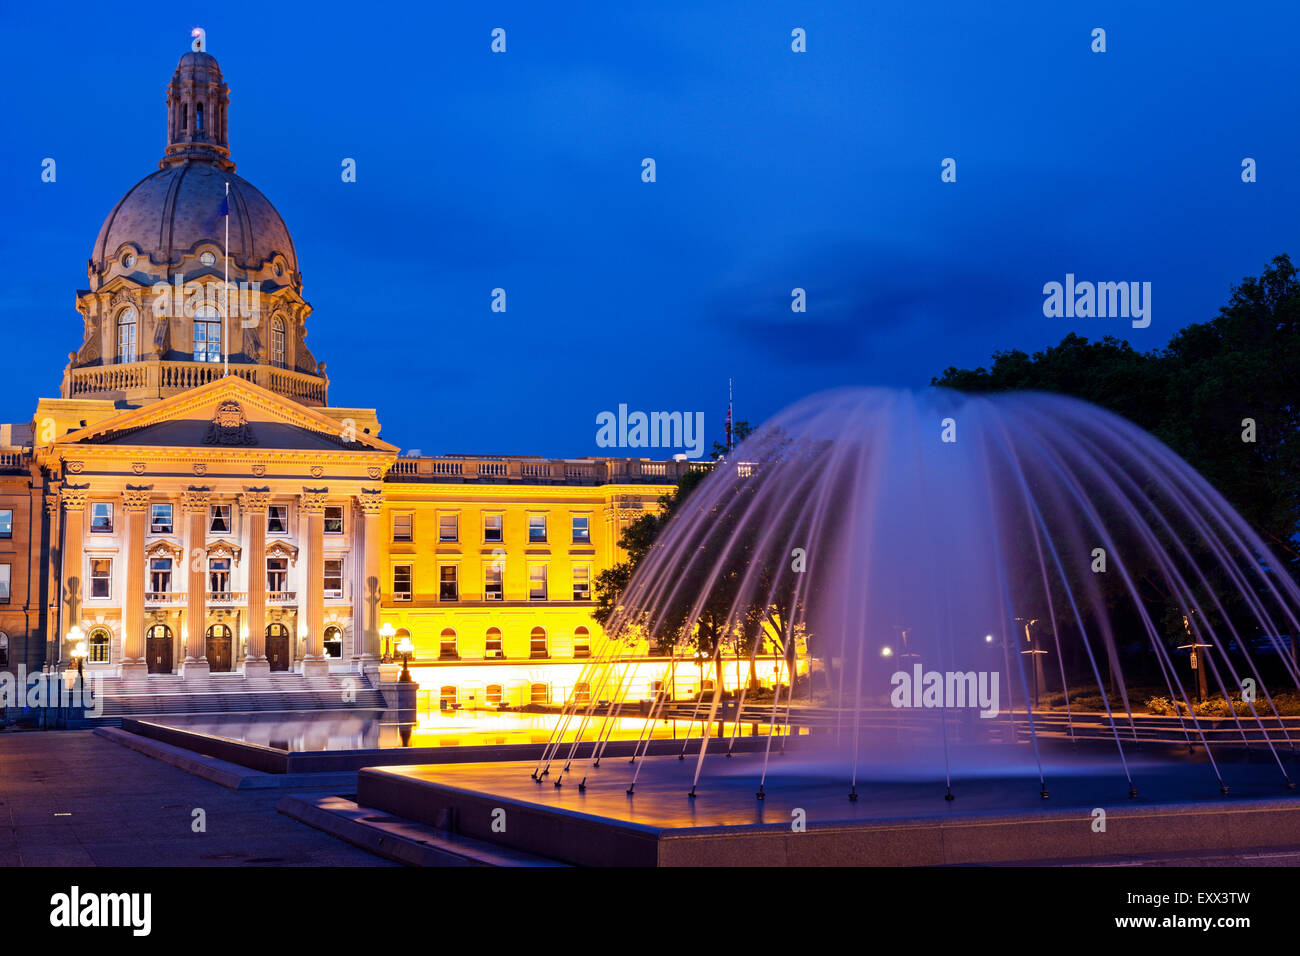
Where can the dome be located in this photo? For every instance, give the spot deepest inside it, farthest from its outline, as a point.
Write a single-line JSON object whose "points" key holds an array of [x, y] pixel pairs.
{"points": [[168, 213]]}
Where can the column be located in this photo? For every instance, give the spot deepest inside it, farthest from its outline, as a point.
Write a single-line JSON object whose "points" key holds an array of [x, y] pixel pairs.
{"points": [[135, 502], [53, 600], [194, 509], [252, 505], [367, 606], [312, 503], [72, 577]]}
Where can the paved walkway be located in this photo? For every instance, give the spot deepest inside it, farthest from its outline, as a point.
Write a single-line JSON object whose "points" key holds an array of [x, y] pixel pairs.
{"points": [[69, 798]]}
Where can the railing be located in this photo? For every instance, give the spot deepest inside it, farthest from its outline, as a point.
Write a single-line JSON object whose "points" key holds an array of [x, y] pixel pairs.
{"points": [[14, 459], [227, 597], [154, 379], [161, 598], [282, 597], [585, 471]]}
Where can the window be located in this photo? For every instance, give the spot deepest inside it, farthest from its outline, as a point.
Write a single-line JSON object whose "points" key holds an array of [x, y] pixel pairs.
{"points": [[160, 576], [493, 694], [447, 644], [537, 582], [277, 575], [492, 527], [97, 646], [6, 524], [277, 519], [493, 647], [207, 334], [537, 643], [403, 527], [493, 588], [219, 519], [581, 529], [334, 519], [582, 693], [126, 351], [447, 590], [101, 577], [539, 694], [219, 576], [185, 116], [4, 649], [537, 529], [101, 517], [402, 582], [160, 519], [334, 641], [5, 572], [447, 696], [207, 258], [581, 642], [278, 350], [333, 577], [449, 527], [198, 118], [581, 582]]}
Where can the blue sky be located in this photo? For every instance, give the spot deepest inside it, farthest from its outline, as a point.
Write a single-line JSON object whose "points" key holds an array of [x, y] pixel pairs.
{"points": [[775, 170]]}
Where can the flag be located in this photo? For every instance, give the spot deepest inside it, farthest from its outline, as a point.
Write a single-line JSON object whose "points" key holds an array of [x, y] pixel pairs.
{"points": [[225, 206]]}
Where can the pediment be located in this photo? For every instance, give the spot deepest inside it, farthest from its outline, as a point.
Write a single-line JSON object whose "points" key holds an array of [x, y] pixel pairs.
{"points": [[228, 413]]}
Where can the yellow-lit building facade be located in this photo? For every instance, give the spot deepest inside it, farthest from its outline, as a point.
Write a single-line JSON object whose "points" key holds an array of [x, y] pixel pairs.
{"points": [[190, 509]]}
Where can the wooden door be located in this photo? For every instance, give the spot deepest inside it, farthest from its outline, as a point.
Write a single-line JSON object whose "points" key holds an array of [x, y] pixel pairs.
{"points": [[277, 647], [158, 650], [218, 649]]}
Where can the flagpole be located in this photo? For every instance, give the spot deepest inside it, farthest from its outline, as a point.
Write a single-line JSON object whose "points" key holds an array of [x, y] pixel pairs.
{"points": [[225, 286]]}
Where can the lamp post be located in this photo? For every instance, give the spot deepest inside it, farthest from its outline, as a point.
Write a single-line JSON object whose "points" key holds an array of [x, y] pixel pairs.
{"points": [[1035, 654], [79, 654], [388, 632], [405, 648]]}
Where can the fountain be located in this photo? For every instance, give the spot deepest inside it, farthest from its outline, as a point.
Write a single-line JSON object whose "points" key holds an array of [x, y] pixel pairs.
{"points": [[1002, 593]]}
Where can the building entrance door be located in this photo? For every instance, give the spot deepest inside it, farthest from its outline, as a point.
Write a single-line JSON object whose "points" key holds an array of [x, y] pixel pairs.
{"points": [[277, 647], [218, 648], [158, 649]]}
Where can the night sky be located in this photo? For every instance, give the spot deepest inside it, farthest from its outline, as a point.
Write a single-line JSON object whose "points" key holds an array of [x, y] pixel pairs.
{"points": [[775, 170]]}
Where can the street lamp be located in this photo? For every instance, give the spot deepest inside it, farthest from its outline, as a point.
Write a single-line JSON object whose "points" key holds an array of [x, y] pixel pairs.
{"points": [[405, 648], [388, 632]]}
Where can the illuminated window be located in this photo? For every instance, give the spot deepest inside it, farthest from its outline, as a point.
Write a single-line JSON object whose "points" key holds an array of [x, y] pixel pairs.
{"points": [[334, 519], [403, 527], [447, 644], [277, 519], [581, 642], [101, 517], [402, 582], [537, 643], [447, 589], [493, 694], [493, 646], [447, 696], [539, 694], [98, 646], [537, 529], [493, 589], [581, 529], [126, 351], [160, 519], [449, 527], [279, 353], [101, 577], [207, 334], [333, 577], [582, 693], [537, 582], [6, 524], [219, 519], [492, 527], [334, 641], [581, 582]]}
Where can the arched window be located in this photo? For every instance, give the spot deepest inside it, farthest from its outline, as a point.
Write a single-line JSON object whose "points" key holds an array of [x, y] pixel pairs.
{"points": [[493, 647], [185, 116], [333, 641], [537, 643], [493, 694], [4, 649], [198, 118], [447, 696], [98, 646], [279, 352], [539, 694], [582, 693], [447, 644], [159, 632], [581, 642], [207, 334], [126, 350]]}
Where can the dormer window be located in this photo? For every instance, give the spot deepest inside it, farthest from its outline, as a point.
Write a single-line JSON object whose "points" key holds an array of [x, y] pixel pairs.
{"points": [[126, 335]]}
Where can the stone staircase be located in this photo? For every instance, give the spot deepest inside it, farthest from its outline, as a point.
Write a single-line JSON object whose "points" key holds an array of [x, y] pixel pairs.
{"points": [[170, 694]]}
